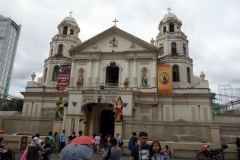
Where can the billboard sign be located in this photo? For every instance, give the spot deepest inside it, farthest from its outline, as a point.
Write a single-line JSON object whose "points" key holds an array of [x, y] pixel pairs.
{"points": [[164, 78], [63, 77]]}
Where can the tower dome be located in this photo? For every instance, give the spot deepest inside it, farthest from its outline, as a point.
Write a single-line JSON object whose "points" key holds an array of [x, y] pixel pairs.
{"points": [[69, 18], [169, 15]]}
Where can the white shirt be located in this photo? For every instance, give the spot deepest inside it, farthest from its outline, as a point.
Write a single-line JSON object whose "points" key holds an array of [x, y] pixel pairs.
{"points": [[97, 139]]}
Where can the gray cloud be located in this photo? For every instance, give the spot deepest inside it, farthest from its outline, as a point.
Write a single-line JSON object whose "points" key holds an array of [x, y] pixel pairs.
{"points": [[212, 28]]}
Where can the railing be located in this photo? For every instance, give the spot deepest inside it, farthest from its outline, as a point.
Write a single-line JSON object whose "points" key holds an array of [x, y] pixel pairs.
{"points": [[104, 86]]}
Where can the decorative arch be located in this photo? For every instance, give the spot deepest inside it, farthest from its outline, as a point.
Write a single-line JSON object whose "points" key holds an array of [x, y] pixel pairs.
{"points": [[175, 73], [145, 72], [55, 73], [145, 119], [45, 74], [65, 30], [105, 71]]}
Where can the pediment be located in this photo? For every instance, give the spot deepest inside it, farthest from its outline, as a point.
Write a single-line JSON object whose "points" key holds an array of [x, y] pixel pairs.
{"points": [[113, 39]]}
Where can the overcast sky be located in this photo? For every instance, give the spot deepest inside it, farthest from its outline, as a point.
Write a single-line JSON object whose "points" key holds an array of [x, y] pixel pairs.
{"points": [[212, 27]]}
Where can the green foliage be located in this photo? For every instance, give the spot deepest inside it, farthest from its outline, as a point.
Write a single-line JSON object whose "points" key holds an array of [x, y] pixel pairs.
{"points": [[13, 105]]}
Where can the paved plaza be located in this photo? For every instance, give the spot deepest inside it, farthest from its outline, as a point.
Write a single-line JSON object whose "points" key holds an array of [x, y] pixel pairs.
{"points": [[93, 157]]}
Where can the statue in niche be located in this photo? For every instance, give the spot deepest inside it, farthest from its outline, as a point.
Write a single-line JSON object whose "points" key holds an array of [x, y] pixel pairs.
{"points": [[126, 83], [118, 109], [144, 80], [81, 79], [59, 109]]}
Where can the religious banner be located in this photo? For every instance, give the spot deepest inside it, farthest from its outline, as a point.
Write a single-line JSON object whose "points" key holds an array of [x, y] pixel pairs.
{"points": [[164, 78], [63, 77]]}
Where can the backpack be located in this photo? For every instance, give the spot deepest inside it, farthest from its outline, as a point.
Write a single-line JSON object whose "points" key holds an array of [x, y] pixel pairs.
{"points": [[130, 144], [108, 152]]}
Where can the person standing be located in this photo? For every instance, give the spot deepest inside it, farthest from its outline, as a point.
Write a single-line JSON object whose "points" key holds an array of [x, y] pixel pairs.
{"points": [[156, 152], [133, 141], [97, 142], [80, 133], [62, 140], [73, 135], [238, 147], [33, 149], [168, 151], [46, 146], [115, 152], [119, 139], [51, 140], [141, 151]]}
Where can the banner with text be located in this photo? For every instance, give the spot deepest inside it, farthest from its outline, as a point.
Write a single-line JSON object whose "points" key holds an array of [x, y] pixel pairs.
{"points": [[164, 78], [63, 77]]}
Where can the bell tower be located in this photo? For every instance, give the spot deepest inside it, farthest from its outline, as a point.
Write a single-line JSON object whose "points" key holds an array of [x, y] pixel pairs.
{"points": [[62, 42], [173, 50]]}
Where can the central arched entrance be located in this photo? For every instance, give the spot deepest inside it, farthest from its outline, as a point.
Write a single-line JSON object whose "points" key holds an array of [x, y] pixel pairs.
{"points": [[107, 122]]}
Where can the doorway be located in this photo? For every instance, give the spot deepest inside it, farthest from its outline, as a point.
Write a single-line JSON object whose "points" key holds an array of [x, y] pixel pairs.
{"points": [[112, 74], [107, 122]]}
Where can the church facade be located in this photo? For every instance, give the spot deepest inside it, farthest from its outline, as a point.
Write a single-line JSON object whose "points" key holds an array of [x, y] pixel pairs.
{"points": [[114, 77]]}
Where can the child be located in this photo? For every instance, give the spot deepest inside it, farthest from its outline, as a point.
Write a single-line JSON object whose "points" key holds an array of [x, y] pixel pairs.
{"points": [[156, 152]]}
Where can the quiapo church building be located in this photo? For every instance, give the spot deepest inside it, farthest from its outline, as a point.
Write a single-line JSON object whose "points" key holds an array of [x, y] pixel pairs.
{"points": [[115, 80]]}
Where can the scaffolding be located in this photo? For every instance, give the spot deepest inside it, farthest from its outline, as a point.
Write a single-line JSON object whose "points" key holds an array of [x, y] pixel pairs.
{"points": [[228, 99]]}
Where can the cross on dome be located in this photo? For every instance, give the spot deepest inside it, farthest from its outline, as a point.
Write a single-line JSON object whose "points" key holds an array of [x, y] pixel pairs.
{"points": [[115, 21], [71, 13], [169, 9]]}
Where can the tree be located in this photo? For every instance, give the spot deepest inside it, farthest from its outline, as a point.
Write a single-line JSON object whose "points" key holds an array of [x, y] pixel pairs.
{"points": [[13, 105]]}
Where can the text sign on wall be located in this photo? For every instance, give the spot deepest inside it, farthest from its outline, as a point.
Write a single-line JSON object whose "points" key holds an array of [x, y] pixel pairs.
{"points": [[164, 78], [63, 77], [99, 92]]}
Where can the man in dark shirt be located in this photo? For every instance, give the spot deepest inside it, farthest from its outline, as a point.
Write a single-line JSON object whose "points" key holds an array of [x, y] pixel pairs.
{"points": [[105, 141], [141, 151]]}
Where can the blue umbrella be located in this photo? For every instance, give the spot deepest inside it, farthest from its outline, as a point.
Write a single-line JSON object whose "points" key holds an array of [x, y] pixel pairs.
{"points": [[74, 151]]}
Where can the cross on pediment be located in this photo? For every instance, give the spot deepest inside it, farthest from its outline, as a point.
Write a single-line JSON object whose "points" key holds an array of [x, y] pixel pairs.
{"points": [[115, 21]]}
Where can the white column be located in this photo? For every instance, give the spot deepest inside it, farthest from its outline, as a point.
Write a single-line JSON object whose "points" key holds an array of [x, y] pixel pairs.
{"points": [[49, 73], [89, 72], [97, 71], [127, 69], [72, 73], [134, 72], [154, 74]]}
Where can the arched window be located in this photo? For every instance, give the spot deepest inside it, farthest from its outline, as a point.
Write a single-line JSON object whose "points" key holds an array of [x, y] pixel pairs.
{"points": [[55, 73], [188, 75], [164, 29], [65, 29], [161, 53], [45, 75], [60, 49], [175, 73], [71, 32], [174, 47], [171, 26], [112, 74]]}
